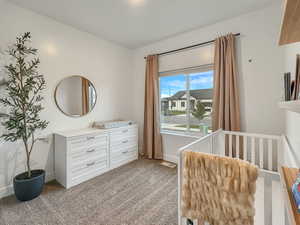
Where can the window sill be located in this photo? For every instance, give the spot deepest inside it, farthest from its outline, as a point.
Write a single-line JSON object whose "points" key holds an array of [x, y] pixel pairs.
{"points": [[196, 135]]}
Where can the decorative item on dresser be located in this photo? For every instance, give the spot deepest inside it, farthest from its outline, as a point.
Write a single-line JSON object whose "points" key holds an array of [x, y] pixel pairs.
{"points": [[83, 154]]}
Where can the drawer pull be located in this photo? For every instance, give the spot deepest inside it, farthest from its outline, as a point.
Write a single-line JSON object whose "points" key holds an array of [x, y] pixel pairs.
{"points": [[90, 151], [124, 131], [90, 164], [90, 138], [125, 152], [124, 142]]}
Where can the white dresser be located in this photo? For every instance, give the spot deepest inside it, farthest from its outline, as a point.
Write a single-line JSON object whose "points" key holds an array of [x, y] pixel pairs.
{"points": [[83, 154]]}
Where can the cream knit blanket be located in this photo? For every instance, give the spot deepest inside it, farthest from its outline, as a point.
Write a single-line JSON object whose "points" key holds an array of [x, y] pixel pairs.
{"points": [[218, 190]]}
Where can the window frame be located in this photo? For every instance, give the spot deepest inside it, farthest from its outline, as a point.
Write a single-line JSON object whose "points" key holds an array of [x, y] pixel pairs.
{"points": [[186, 72]]}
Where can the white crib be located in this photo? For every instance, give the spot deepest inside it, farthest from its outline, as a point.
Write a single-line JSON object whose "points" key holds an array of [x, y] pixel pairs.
{"points": [[265, 151]]}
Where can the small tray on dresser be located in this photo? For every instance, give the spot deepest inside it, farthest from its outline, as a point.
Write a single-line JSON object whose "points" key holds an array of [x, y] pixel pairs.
{"points": [[288, 177]]}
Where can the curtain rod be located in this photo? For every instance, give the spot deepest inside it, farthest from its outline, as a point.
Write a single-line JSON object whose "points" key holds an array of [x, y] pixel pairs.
{"points": [[191, 46]]}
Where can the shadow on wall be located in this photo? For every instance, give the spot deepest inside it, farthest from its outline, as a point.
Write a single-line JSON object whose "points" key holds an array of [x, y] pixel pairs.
{"points": [[13, 160], [291, 158], [9, 161], [241, 82]]}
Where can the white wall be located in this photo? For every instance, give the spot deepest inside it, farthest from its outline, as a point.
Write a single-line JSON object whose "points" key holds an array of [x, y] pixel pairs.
{"points": [[65, 51], [173, 142], [292, 119], [259, 80]]}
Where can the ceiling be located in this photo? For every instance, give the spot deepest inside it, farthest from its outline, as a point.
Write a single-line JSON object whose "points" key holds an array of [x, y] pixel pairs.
{"points": [[134, 23]]}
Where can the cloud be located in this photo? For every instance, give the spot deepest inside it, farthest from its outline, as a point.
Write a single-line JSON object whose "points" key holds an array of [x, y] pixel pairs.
{"points": [[202, 80], [176, 84], [162, 95], [167, 92]]}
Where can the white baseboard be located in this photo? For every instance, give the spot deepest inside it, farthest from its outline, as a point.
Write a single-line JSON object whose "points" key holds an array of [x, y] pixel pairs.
{"points": [[6, 191], [171, 158], [49, 177], [9, 190]]}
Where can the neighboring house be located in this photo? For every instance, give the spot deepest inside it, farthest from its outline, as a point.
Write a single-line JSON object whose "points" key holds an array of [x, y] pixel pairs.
{"points": [[178, 101]]}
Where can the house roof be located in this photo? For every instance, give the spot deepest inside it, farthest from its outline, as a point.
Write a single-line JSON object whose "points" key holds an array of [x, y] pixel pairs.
{"points": [[197, 94]]}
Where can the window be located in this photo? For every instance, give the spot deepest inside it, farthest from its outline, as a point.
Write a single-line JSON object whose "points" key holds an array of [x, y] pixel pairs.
{"points": [[186, 100]]}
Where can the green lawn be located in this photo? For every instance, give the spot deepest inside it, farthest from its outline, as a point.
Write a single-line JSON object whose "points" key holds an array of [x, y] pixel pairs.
{"points": [[191, 126], [175, 113]]}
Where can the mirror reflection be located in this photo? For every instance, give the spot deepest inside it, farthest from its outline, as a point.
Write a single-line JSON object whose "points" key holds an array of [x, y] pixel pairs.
{"points": [[75, 96]]}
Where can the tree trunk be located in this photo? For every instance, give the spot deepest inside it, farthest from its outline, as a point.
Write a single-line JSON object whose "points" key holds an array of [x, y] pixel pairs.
{"points": [[27, 158], [28, 168]]}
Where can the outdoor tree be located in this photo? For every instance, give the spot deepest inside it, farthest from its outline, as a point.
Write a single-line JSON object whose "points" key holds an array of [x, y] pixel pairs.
{"points": [[23, 98], [199, 112]]}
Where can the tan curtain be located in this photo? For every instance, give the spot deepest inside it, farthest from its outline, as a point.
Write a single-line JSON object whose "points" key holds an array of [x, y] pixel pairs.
{"points": [[226, 108], [85, 96], [152, 148]]}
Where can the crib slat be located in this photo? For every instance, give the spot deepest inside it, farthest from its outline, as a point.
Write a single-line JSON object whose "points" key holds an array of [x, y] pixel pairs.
{"points": [[237, 148], [261, 153], [277, 152], [230, 145], [270, 154], [245, 147], [253, 150], [267, 200]]}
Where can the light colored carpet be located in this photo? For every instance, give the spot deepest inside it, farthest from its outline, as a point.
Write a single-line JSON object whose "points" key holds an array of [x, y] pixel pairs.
{"points": [[142, 192]]}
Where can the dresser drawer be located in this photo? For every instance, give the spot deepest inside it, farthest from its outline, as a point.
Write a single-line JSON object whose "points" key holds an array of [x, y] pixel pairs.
{"points": [[124, 142], [122, 133], [90, 146], [123, 154], [88, 166], [123, 159], [80, 154], [87, 140]]}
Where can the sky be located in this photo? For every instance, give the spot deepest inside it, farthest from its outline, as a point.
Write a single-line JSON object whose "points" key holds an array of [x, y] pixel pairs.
{"points": [[169, 85]]}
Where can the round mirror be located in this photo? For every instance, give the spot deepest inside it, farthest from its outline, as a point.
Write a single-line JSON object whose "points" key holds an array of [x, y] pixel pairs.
{"points": [[75, 96]]}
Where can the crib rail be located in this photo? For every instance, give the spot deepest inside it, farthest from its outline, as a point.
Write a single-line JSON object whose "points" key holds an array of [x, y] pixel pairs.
{"points": [[259, 149]]}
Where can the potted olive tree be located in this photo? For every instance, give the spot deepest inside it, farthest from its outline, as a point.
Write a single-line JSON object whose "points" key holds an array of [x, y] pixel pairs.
{"points": [[23, 101]]}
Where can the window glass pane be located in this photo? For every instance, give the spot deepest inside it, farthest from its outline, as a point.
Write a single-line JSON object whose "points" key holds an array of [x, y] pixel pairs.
{"points": [[173, 102], [201, 90]]}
